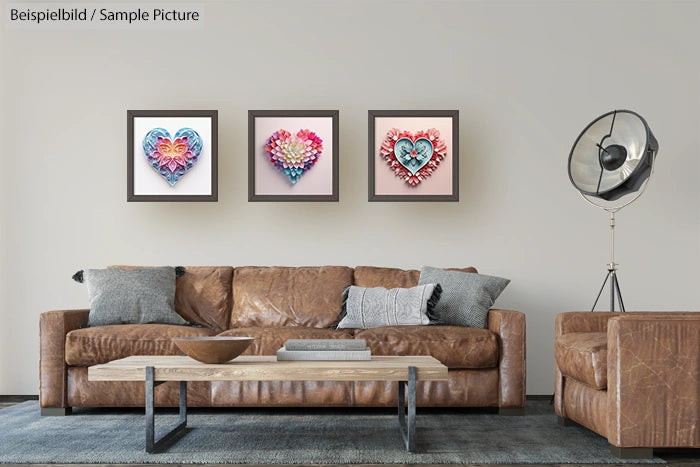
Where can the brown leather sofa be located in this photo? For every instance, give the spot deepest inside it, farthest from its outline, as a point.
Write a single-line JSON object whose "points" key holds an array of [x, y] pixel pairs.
{"points": [[273, 304], [633, 378]]}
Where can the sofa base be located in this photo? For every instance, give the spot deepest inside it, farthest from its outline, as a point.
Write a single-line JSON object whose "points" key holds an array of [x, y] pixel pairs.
{"points": [[511, 411], [465, 388], [632, 453], [56, 411]]}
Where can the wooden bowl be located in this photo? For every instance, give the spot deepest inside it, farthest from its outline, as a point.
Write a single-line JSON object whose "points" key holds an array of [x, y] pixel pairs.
{"points": [[213, 349]]}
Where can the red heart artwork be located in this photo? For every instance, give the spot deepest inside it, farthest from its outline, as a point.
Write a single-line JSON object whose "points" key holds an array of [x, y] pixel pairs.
{"points": [[413, 157]]}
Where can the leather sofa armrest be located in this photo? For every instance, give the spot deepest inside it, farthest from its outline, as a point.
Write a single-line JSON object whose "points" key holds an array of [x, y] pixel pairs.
{"points": [[510, 327], [53, 327], [654, 380]]}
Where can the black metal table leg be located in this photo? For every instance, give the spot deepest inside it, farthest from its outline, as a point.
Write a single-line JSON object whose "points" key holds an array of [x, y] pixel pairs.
{"points": [[408, 427], [152, 445]]}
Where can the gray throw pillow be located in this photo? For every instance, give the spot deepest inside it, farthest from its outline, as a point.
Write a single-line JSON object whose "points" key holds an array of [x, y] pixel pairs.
{"points": [[131, 296], [365, 308], [466, 297]]}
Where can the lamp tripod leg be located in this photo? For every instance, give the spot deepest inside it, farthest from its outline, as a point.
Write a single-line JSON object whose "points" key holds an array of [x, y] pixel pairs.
{"points": [[619, 294], [600, 291], [614, 292]]}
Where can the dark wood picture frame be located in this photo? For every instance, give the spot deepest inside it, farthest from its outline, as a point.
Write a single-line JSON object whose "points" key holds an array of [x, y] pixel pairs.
{"points": [[131, 157], [372, 154], [253, 152]]}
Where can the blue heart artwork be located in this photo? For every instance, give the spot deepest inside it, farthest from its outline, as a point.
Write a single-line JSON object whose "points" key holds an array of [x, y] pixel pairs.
{"points": [[413, 155]]}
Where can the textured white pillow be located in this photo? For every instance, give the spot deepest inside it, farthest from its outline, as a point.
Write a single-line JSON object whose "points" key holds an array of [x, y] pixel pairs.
{"points": [[365, 308]]}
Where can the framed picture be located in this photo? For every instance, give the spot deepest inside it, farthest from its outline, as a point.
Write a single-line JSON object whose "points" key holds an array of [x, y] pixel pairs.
{"points": [[293, 155], [414, 155], [171, 155]]}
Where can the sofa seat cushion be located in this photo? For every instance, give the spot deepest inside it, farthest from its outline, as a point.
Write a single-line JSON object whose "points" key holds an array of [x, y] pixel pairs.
{"points": [[455, 346], [101, 344], [583, 356], [286, 296], [269, 340]]}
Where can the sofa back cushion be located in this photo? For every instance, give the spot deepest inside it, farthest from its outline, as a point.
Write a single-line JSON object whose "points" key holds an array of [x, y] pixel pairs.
{"points": [[203, 295], [390, 278], [288, 296]]}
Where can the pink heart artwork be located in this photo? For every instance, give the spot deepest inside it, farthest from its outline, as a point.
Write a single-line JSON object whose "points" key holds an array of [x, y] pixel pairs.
{"points": [[293, 155]]}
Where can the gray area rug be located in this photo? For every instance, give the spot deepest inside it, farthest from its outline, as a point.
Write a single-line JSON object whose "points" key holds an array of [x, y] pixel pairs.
{"points": [[299, 436]]}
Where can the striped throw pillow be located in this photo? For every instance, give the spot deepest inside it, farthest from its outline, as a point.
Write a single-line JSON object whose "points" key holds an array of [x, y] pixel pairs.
{"points": [[365, 308]]}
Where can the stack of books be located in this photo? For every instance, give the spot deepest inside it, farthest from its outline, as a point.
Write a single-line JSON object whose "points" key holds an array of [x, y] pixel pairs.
{"points": [[324, 349]]}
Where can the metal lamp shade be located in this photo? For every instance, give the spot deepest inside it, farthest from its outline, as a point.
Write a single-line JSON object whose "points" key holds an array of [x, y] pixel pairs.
{"points": [[613, 156]]}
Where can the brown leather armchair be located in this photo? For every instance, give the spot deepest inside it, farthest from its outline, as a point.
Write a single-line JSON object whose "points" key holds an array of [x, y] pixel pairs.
{"points": [[631, 377]]}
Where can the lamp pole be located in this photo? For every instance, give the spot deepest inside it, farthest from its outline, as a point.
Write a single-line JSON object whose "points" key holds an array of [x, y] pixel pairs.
{"points": [[612, 271]]}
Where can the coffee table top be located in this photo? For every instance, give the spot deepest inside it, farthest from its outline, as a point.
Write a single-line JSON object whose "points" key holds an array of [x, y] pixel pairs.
{"points": [[267, 368]]}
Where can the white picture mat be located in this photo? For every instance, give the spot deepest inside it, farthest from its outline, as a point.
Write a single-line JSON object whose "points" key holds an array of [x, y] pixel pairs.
{"points": [[197, 181], [318, 180]]}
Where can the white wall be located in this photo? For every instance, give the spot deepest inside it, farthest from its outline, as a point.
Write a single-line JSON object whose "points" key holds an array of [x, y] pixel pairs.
{"points": [[526, 76]]}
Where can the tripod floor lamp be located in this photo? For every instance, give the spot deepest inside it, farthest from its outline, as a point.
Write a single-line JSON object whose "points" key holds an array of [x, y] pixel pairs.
{"points": [[610, 165]]}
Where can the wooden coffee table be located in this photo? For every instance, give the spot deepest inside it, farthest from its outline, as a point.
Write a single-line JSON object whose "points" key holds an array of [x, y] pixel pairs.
{"points": [[154, 370]]}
